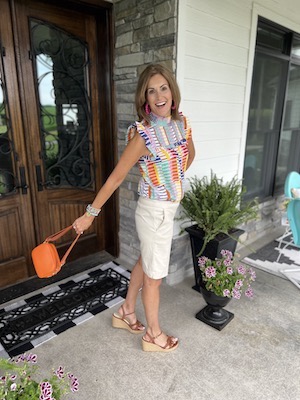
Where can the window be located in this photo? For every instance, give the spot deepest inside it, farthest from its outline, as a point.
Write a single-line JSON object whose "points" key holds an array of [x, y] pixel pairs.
{"points": [[273, 135]]}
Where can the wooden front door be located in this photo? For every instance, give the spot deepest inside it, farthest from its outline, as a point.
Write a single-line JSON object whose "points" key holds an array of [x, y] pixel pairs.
{"points": [[55, 129]]}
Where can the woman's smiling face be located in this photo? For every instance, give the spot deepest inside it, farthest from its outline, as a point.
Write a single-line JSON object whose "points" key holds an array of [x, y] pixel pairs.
{"points": [[159, 96]]}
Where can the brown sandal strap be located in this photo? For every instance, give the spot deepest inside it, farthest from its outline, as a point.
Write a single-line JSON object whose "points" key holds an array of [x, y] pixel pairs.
{"points": [[136, 325], [169, 343], [125, 315]]}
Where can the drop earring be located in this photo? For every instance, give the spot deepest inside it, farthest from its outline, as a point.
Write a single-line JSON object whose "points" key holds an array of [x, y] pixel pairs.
{"points": [[147, 109]]}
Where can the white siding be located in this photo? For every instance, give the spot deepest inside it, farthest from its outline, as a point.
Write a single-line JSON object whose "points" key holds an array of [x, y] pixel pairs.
{"points": [[216, 42]]}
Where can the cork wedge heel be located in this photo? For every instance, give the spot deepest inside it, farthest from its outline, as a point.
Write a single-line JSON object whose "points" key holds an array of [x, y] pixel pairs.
{"points": [[120, 322], [150, 345]]}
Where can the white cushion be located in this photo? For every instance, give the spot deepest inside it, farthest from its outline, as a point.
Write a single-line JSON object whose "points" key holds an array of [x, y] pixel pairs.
{"points": [[295, 192]]}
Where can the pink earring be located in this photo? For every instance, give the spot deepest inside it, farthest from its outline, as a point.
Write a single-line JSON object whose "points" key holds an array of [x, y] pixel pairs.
{"points": [[173, 105], [147, 108]]}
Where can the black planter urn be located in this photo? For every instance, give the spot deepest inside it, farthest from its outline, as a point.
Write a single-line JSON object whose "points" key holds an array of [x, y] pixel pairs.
{"points": [[213, 248], [214, 314]]}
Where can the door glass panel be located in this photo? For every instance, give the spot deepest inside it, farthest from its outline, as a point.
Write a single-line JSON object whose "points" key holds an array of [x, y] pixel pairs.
{"points": [[61, 65], [263, 124], [288, 155], [296, 47], [7, 177]]}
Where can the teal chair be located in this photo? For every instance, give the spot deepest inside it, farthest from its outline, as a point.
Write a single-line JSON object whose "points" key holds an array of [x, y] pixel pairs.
{"points": [[292, 191]]}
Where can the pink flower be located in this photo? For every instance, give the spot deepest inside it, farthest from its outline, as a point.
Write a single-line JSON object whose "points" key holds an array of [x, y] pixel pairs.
{"points": [[252, 274], [210, 272], [249, 292], [226, 293], [242, 270], [238, 284], [202, 260], [227, 262], [229, 270], [59, 372], [236, 294]]}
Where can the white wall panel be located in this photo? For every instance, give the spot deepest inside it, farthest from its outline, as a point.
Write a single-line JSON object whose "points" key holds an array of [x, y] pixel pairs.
{"points": [[215, 49], [211, 71], [216, 28], [216, 43], [237, 12], [216, 130], [211, 112], [213, 91]]}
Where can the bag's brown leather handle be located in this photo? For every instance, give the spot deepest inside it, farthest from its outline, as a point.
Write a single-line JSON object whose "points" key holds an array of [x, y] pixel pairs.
{"points": [[57, 235]]}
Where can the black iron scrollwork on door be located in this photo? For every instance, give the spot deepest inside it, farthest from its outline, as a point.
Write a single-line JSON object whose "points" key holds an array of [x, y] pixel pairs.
{"points": [[61, 67], [8, 180]]}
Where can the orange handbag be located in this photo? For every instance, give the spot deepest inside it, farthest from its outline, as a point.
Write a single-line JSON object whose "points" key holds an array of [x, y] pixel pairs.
{"points": [[45, 257]]}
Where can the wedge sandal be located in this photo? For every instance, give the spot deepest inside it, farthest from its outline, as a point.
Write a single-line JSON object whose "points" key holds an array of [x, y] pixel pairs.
{"points": [[150, 345], [120, 322]]}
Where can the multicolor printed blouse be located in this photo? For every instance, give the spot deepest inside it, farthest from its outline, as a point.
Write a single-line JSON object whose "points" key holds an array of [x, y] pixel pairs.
{"points": [[163, 170]]}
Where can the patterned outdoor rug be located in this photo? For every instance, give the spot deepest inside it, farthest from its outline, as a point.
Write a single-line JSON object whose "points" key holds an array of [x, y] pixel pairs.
{"points": [[266, 259], [26, 324]]}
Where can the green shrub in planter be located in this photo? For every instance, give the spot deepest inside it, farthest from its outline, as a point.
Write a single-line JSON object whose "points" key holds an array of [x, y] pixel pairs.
{"points": [[216, 206]]}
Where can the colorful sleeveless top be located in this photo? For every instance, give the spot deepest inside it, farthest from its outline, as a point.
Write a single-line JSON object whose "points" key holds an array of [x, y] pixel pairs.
{"points": [[163, 170]]}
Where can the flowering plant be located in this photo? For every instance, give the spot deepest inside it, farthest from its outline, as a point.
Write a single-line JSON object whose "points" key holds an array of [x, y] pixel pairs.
{"points": [[18, 382], [225, 278]]}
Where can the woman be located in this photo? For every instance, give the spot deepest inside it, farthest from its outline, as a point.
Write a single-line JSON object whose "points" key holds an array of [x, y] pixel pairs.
{"points": [[162, 144]]}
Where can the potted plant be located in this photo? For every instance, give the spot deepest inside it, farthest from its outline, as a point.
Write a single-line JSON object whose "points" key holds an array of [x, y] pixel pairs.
{"points": [[222, 279], [217, 209], [18, 382]]}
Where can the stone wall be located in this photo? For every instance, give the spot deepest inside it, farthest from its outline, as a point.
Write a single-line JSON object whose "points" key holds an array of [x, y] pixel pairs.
{"points": [[145, 32]]}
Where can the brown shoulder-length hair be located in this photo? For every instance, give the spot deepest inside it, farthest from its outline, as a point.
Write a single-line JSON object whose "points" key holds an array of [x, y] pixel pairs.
{"points": [[140, 94]]}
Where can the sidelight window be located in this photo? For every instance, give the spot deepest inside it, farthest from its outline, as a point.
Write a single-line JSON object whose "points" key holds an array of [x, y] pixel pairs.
{"points": [[273, 134]]}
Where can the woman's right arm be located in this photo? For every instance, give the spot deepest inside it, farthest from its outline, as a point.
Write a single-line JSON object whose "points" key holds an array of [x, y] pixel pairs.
{"points": [[133, 151]]}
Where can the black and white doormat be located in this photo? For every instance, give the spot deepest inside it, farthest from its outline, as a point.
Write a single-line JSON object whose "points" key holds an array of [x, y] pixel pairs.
{"points": [[28, 323]]}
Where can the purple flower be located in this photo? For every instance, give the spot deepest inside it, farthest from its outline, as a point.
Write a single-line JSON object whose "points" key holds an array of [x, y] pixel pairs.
{"points": [[238, 284], [249, 292], [226, 253], [13, 387], [236, 294], [46, 390], [227, 262], [74, 383], [210, 272], [242, 270], [252, 274], [59, 372], [202, 260], [222, 274], [32, 358]]}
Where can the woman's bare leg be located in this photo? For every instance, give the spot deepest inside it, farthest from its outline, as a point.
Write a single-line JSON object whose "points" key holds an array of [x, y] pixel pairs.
{"points": [[136, 282], [151, 300]]}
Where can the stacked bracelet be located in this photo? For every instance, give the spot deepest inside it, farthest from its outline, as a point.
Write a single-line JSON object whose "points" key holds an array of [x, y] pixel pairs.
{"points": [[92, 211]]}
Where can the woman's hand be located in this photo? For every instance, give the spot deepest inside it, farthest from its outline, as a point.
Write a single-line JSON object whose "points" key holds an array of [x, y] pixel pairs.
{"points": [[82, 223]]}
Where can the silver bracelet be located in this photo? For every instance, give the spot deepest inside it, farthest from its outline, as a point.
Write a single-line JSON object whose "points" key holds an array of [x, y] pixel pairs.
{"points": [[92, 210]]}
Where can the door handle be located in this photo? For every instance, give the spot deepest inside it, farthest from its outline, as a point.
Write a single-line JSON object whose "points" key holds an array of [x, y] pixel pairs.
{"points": [[23, 185], [39, 180]]}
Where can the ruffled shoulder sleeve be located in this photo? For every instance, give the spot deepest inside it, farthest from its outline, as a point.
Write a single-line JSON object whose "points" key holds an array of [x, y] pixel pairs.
{"points": [[131, 131], [145, 134], [187, 127]]}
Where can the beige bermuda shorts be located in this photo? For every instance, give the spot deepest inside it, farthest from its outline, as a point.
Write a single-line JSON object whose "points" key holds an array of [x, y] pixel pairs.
{"points": [[154, 224]]}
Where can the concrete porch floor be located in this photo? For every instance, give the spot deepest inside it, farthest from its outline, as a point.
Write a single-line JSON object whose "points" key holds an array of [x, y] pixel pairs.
{"points": [[256, 356]]}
